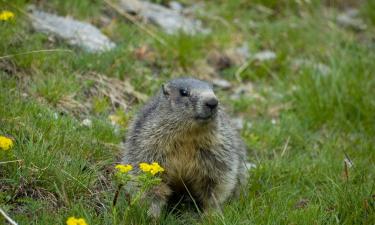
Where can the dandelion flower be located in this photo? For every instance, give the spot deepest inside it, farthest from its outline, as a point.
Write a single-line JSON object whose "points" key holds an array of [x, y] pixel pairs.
{"points": [[6, 15], [75, 221], [5, 143], [153, 168], [124, 168]]}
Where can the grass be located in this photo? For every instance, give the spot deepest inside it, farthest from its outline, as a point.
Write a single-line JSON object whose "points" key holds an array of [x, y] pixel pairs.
{"points": [[303, 122]]}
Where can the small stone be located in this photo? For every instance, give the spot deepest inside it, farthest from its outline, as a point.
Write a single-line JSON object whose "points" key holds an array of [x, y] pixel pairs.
{"points": [[264, 55], [221, 83]]}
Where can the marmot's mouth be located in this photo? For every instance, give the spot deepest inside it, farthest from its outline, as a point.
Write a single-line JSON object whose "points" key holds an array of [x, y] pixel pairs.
{"points": [[205, 117]]}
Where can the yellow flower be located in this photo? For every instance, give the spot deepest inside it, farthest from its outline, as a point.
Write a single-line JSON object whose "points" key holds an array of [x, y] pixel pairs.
{"points": [[74, 221], [124, 168], [5, 143], [145, 167], [6, 15], [156, 168], [153, 168]]}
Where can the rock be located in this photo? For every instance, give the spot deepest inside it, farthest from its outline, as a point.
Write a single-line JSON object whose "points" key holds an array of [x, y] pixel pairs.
{"points": [[171, 21], [221, 83], [264, 55], [81, 34], [349, 19]]}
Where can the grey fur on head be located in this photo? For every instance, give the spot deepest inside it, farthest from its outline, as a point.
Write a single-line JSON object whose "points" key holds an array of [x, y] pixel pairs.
{"points": [[186, 131]]}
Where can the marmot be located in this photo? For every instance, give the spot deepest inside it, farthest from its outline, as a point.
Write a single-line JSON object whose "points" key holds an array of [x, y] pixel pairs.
{"points": [[186, 131]]}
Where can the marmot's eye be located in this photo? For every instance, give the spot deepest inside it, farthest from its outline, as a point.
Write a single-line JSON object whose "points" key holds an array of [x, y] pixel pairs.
{"points": [[184, 92]]}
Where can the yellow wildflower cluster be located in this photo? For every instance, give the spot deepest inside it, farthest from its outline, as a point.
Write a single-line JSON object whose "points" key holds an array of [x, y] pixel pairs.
{"points": [[5, 143], [124, 168], [75, 221], [6, 15], [153, 168]]}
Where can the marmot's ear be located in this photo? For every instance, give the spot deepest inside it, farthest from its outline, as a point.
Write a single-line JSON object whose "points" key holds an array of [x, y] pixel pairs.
{"points": [[165, 89]]}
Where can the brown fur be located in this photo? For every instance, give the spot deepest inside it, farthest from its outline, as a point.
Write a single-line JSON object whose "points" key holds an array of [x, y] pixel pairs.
{"points": [[204, 157]]}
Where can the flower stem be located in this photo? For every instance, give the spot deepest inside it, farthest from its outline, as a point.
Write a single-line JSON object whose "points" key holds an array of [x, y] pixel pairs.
{"points": [[116, 195]]}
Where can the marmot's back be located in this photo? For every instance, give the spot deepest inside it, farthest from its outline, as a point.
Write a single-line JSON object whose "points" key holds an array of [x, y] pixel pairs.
{"points": [[185, 130]]}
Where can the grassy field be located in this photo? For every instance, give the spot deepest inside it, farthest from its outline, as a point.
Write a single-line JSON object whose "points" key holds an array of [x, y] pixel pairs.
{"points": [[302, 121]]}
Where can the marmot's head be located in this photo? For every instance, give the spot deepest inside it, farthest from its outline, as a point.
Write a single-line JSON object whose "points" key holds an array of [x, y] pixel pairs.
{"points": [[191, 99]]}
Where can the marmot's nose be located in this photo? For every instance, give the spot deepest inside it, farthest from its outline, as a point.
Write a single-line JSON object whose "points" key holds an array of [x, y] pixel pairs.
{"points": [[212, 103]]}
